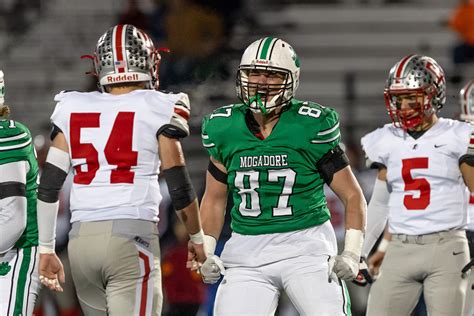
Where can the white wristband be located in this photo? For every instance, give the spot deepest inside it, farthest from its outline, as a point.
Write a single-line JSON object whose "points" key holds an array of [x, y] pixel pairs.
{"points": [[383, 245], [45, 250], [353, 241], [209, 244], [197, 238]]}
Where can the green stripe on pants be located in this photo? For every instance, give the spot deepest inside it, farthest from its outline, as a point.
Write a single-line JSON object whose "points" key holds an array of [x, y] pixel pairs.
{"points": [[348, 298], [23, 277]]}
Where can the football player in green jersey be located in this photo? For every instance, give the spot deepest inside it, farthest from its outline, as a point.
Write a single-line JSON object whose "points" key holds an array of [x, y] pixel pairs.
{"points": [[19, 283], [273, 154]]}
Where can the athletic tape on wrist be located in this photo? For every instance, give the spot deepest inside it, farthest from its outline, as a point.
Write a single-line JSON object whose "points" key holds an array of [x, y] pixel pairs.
{"points": [[353, 241], [209, 244], [383, 245], [197, 238]]}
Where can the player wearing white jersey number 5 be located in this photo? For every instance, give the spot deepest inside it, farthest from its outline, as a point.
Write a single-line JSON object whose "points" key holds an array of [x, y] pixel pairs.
{"points": [[422, 162], [116, 141]]}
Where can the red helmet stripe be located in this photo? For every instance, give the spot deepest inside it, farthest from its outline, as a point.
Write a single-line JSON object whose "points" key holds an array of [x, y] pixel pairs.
{"points": [[401, 65], [468, 89], [119, 47]]}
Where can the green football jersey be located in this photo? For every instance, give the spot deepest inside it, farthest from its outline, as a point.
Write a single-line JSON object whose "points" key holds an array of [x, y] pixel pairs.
{"points": [[274, 182], [16, 145]]}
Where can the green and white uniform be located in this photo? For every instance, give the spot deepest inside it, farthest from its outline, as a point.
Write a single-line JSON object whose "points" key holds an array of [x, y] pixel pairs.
{"points": [[280, 219], [19, 282], [274, 182]]}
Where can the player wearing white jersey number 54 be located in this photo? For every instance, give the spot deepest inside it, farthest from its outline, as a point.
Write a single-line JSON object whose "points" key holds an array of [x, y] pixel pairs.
{"points": [[116, 141], [422, 162]]}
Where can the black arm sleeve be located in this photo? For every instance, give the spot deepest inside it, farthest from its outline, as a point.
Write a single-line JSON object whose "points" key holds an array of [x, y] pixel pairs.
{"points": [[54, 132], [216, 173], [11, 188], [467, 158], [171, 131], [52, 180], [333, 161], [179, 186]]}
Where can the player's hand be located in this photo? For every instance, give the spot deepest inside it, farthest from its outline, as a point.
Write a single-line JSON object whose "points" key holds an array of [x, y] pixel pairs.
{"points": [[196, 256], [346, 266], [212, 269], [332, 277], [364, 277], [374, 263], [51, 271]]}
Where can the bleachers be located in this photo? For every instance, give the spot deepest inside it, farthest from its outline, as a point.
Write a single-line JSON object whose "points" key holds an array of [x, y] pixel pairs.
{"points": [[336, 42], [363, 41]]}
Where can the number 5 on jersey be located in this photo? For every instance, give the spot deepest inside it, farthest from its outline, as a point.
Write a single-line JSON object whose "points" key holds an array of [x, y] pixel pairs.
{"points": [[118, 150]]}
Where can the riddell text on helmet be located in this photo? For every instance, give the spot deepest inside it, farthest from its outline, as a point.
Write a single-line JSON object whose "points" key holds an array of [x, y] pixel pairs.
{"points": [[122, 78]]}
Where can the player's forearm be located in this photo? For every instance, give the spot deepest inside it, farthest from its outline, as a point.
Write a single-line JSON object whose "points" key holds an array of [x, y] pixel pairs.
{"points": [[355, 212], [212, 215], [377, 215], [190, 217], [54, 174]]}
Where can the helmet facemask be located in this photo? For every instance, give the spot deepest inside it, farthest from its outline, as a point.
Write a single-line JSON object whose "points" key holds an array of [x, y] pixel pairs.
{"points": [[264, 97], [418, 111]]}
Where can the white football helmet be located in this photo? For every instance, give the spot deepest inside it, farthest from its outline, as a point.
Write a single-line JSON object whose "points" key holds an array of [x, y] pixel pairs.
{"points": [[466, 96], [272, 55], [415, 74], [2, 88], [126, 54]]}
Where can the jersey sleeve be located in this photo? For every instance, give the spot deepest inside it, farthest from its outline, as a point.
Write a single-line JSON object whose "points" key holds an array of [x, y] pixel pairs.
{"points": [[59, 117], [208, 136], [178, 127], [464, 134], [15, 143], [372, 148], [327, 135]]}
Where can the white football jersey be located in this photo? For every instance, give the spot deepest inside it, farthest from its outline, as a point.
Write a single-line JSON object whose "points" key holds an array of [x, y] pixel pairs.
{"points": [[114, 151], [427, 189]]}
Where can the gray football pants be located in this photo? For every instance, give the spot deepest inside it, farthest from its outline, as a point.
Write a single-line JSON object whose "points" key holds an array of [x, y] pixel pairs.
{"points": [[116, 267], [430, 264]]}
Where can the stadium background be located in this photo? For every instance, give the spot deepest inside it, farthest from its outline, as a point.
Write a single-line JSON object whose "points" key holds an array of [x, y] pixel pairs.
{"points": [[346, 48]]}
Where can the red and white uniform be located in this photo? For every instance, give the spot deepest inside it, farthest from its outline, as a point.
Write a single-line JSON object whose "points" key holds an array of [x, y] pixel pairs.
{"points": [[115, 161], [427, 189]]}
